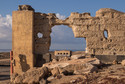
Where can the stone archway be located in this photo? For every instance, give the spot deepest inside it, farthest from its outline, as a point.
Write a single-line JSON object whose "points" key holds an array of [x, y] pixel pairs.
{"points": [[62, 38]]}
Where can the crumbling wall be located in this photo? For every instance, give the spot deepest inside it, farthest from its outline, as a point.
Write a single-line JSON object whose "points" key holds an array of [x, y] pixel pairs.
{"points": [[27, 24], [42, 24], [92, 28]]}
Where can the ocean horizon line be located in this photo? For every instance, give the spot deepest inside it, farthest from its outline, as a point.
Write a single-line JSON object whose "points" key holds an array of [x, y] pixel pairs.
{"points": [[8, 50]]}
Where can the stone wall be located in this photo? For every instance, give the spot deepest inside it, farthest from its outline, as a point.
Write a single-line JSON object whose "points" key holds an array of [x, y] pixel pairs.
{"points": [[27, 24], [92, 28], [22, 40]]}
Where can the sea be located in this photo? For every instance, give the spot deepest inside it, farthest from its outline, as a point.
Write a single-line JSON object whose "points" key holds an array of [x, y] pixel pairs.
{"points": [[5, 50], [8, 50], [68, 49]]}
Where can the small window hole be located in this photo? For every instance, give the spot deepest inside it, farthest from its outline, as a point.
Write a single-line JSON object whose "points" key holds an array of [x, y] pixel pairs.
{"points": [[40, 35], [106, 34]]}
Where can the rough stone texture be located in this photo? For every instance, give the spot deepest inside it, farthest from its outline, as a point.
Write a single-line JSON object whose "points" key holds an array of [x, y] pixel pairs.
{"points": [[42, 81], [27, 45], [25, 7], [123, 62], [64, 59], [71, 79], [96, 62], [32, 76], [89, 69], [83, 66], [54, 60], [55, 71]]}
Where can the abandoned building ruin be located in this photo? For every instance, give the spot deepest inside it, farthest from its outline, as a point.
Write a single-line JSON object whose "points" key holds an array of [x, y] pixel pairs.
{"points": [[29, 49]]}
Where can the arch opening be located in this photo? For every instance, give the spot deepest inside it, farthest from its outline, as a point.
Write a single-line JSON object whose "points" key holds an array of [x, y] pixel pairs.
{"points": [[62, 38]]}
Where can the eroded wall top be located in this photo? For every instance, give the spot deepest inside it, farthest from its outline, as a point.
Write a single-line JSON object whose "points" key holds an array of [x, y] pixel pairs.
{"points": [[84, 26], [29, 47]]}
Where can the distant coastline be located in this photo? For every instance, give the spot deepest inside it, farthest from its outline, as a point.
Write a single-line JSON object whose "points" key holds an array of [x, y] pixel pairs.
{"points": [[5, 50], [67, 49], [8, 50]]}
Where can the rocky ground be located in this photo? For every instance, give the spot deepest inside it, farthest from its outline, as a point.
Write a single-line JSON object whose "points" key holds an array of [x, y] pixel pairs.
{"points": [[77, 70], [106, 74]]}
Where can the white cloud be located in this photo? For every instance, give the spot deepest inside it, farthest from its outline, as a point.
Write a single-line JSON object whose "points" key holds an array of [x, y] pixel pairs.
{"points": [[5, 30], [6, 21], [2, 35], [60, 16]]}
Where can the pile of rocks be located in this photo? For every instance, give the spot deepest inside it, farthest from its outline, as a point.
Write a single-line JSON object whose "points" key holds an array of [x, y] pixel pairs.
{"points": [[31, 76], [75, 66], [74, 69], [57, 69]]}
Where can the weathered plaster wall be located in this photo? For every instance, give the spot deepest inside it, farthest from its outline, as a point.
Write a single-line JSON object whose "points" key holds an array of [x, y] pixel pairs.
{"points": [[27, 24], [22, 40]]}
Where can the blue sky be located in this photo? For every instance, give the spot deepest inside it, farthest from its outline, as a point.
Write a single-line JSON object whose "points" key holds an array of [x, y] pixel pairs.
{"points": [[63, 8]]}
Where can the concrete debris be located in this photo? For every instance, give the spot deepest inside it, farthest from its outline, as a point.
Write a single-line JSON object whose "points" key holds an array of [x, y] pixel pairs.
{"points": [[78, 56]]}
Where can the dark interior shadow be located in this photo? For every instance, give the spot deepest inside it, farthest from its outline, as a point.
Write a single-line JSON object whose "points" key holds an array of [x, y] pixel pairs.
{"points": [[4, 77], [39, 60], [4, 65], [104, 66], [23, 63]]}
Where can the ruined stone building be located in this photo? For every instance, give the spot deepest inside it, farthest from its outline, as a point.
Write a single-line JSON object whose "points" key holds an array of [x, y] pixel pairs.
{"points": [[28, 48]]}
